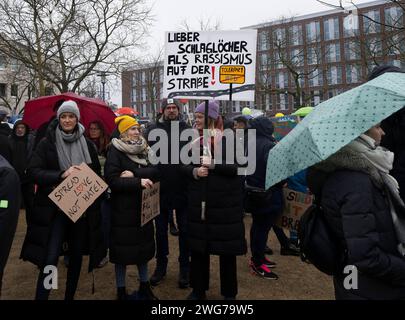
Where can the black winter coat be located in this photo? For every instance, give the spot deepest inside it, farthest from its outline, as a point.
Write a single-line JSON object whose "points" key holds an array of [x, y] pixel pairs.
{"points": [[359, 215], [129, 242], [271, 201], [173, 192], [45, 171], [223, 231]]}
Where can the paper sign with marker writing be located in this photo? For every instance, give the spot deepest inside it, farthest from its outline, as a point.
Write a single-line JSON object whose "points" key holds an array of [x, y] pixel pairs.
{"points": [[150, 208], [78, 192]]}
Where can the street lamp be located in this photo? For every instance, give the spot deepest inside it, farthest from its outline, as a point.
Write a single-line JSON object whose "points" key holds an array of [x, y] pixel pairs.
{"points": [[103, 76]]}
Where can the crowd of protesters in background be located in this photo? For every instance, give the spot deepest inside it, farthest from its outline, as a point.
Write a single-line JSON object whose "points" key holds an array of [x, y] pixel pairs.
{"points": [[208, 199]]}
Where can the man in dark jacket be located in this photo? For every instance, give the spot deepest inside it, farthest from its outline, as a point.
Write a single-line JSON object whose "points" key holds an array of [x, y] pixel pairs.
{"points": [[394, 128], [5, 128], [22, 143], [265, 206], [5, 148], [9, 208], [173, 196]]}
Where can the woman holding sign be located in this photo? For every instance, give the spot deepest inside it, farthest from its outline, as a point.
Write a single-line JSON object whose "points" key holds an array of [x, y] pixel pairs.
{"points": [[128, 172], [56, 157], [218, 228]]}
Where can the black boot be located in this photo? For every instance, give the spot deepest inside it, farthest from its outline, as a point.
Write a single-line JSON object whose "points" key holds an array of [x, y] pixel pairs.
{"points": [[184, 279], [145, 292], [173, 229], [158, 275], [194, 295], [122, 293]]}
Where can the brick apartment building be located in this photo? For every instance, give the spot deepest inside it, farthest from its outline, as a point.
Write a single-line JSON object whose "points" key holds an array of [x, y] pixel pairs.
{"points": [[300, 60], [325, 53]]}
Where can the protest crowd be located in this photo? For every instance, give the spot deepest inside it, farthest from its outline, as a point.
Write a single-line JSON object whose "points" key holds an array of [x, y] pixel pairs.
{"points": [[203, 203]]}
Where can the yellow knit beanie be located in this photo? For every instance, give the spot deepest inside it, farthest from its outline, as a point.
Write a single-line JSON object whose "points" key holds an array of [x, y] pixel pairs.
{"points": [[125, 122]]}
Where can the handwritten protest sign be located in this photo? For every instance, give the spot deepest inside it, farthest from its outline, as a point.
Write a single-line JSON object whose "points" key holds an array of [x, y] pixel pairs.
{"points": [[78, 192], [283, 125], [150, 208], [295, 204], [201, 65]]}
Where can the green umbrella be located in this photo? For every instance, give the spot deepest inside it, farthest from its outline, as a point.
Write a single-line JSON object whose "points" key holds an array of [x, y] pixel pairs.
{"points": [[302, 112], [335, 123]]}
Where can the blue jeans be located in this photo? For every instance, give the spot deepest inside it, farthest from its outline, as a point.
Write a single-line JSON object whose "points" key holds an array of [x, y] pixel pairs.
{"points": [[162, 240], [121, 271]]}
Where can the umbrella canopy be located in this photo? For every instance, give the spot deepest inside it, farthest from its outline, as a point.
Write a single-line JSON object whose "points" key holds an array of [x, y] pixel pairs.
{"points": [[126, 110], [335, 123], [41, 110], [302, 112]]}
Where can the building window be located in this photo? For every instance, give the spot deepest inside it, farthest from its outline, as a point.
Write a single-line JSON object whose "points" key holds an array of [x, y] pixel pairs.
{"points": [[297, 57], [315, 78], [263, 40], [334, 92], [315, 98], [14, 90], [396, 63], [351, 25], [279, 36], [353, 74], [282, 101], [264, 61], [396, 45], [372, 22], [373, 47], [394, 18], [296, 35], [282, 80], [144, 110], [333, 52], [144, 94], [352, 50], [334, 75], [313, 31], [14, 65], [3, 61], [313, 55], [331, 29], [265, 79], [134, 95], [2, 89], [277, 61]]}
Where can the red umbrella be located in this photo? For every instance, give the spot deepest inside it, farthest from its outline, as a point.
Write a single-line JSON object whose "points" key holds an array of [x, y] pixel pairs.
{"points": [[126, 110], [41, 110]]}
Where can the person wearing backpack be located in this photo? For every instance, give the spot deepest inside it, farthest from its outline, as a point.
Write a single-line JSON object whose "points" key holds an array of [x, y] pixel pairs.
{"points": [[361, 205], [264, 205]]}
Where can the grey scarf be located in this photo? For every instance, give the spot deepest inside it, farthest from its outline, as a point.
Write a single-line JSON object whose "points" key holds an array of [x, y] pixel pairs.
{"points": [[137, 151], [363, 155], [72, 148]]}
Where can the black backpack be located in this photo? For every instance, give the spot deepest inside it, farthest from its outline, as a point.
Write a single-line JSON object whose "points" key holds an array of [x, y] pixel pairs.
{"points": [[318, 244]]}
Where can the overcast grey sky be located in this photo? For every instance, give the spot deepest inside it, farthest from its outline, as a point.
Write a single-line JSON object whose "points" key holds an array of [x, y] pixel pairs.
{"points": [[232, 15]]}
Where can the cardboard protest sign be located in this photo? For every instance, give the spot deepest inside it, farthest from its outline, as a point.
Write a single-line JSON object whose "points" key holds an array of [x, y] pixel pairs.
{"points": [[283, 125], [78, 192], [150, 207], [202, 65], [295, 204]]}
